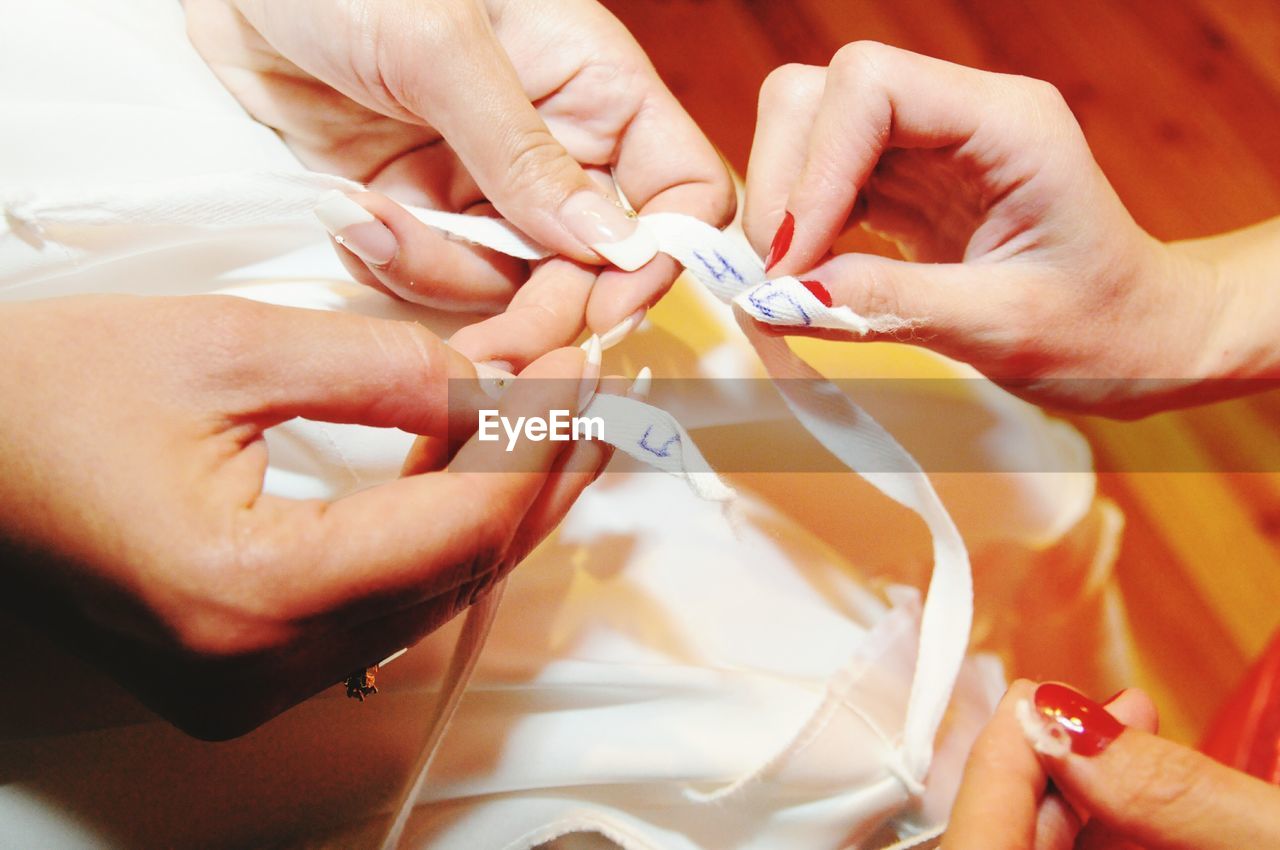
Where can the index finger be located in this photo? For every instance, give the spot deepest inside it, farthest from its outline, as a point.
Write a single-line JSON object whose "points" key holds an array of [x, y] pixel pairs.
{"points": [[664, 164], [876, 97]]}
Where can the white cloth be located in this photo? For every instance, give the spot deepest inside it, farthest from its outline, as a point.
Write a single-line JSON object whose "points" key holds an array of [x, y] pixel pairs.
{"points": [[646, 656]]}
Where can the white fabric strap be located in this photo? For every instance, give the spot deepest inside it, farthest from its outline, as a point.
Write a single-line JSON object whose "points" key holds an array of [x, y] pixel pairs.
{"points": [[654, 437]]}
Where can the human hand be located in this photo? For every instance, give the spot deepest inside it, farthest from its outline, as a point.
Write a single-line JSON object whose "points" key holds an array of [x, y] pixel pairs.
{"points": [[464, 105], [1103, 785], [1019, 257], [132, 517]]}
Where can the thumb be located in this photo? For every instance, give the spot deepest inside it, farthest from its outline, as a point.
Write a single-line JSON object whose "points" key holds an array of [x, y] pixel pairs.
{"points": [[473, 96], [959, 309], [1157, 793]]}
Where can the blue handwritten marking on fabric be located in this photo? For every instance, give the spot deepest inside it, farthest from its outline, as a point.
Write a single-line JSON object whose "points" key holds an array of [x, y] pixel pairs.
{"points": [[762, 303], [663, 450], [726, 269]]}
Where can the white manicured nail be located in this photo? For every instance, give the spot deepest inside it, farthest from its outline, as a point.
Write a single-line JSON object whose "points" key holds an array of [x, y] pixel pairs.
{"points": [[357, 229], [493, 379], [590, 372], [642, 384], [622, 330], [606, 229]]}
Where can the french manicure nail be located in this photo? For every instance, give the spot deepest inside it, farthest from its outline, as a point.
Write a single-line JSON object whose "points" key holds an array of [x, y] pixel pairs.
{"points": [[606, 229], [494, 379], [781, 241], [356, 229], [642, 384], [590, 372], [622, 330], [818, 291], [1090, 729]]}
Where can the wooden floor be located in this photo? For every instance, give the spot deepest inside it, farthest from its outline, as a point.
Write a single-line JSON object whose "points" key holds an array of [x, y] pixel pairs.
{"points": [[1181, 102]]}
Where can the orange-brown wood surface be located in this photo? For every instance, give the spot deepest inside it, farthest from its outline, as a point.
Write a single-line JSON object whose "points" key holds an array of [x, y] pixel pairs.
{"points": [[1181, 102]]}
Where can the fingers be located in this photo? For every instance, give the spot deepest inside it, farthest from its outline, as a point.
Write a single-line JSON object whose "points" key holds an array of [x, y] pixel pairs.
{"points": [[472, 94], [418, 537], [364, 370], [394, 251], [665, 164], [545, 313], [1005, 799], [968, 311], [789, 102], [875, 97], [619, 300], [1160, 794]]}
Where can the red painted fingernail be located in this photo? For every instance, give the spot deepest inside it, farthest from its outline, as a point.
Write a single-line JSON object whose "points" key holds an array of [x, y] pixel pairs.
{"points": [[1088, 725], [781, 241], [819, 291]]}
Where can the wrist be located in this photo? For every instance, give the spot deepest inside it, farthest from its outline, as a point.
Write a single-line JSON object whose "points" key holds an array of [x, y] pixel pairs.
{"points": [[1237, 274]]}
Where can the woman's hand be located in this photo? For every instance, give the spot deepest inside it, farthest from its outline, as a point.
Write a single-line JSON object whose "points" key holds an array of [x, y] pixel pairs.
{"points": [[1101, 779], [470, 105], [132, 517], [1019, 256]]}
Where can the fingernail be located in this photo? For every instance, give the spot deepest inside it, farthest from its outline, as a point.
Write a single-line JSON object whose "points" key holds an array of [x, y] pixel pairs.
{"points": [[818, 291], [642, 384], [590, 372], [781, 241], [608, 230], [622, 330], [1089, 727], [356, 229], [494, 377]]}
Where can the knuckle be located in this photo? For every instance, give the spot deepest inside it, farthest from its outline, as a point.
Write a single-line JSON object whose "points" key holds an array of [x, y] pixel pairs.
{"points": [[386, 68], [539, 166], [415, 348], [1046, 93], [879, 295], [786, 83], [859, 61]]}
